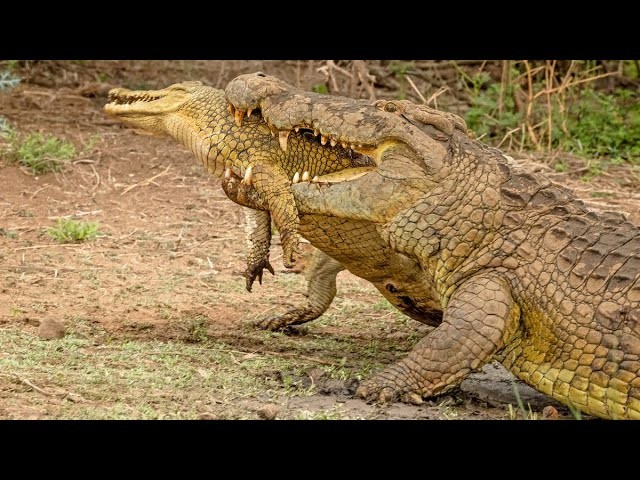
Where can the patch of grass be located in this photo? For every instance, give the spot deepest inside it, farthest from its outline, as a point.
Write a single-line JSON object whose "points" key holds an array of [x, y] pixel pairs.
{"points": [[560, 167], [601, 124], [40, 153], [526, 414], [8, 80], [12, 234], [196, 329], [70, 231], [102, 77], [334, 413], [320, 88]]}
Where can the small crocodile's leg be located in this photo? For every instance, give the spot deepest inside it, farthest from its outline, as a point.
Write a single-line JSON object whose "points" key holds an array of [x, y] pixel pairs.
{"points": [[274, 186], [321, 275], [257, 230], [479, 318]]}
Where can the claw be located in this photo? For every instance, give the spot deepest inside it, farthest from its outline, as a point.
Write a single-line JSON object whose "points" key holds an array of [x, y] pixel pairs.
{"points": [[256, 272], [413, 398], [239, 116], [283, 137]]}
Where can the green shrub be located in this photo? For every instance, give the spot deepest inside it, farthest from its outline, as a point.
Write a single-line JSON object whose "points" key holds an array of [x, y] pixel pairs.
{"points": [[42, 153], [70, 231]]}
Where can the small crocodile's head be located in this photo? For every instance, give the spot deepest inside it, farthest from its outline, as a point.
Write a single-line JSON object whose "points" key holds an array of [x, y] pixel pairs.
{"points": [[148, 109]]}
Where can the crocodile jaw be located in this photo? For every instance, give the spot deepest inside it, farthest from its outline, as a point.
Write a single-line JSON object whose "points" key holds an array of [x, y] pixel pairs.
{"points": [[147, 109]]}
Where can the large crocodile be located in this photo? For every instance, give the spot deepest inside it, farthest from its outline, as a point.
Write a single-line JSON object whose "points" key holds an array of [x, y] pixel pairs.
{"points": [[454, 234], [521, 270]]}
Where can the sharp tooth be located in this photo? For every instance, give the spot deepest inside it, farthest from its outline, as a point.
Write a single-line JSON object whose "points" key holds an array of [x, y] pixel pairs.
{"points": [[248, 175], [306, 177], [297, 129], [352, 146], [344, 144], [315, 179], [333, 142], [227, 173], [249, 112], [273, 132], [316, 132], [232, 109], [296, 177], [239, 116], [323, 140], [283, 136]]}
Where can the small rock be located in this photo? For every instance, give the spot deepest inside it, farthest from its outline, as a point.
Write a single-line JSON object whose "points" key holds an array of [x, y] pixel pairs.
{"points": [[208, 416], [269, 411], [50, 328], [549, 412]]}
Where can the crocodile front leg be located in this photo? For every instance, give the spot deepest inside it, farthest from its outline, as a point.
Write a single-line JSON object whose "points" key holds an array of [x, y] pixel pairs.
{"points": [[274, 186], [257, 229], [480, 318], [321, 275]]}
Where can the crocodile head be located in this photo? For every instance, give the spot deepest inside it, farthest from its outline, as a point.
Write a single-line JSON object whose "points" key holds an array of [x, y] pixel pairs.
{"points": [[148, 109], [369, 128]]}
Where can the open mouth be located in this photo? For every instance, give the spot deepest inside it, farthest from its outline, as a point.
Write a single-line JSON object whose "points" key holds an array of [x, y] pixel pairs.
{"points": [[310, 134]]}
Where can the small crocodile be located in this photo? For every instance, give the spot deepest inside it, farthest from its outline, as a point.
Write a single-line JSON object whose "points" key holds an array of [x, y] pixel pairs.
{"points": [[235, 141], [507, 264]]}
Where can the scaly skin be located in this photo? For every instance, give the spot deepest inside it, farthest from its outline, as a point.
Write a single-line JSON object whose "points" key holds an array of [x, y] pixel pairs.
{"points": [[226, 142], [519, 269]]}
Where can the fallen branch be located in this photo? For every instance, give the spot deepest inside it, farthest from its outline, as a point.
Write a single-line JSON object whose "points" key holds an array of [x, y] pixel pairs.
{"points": [[147, 181]]}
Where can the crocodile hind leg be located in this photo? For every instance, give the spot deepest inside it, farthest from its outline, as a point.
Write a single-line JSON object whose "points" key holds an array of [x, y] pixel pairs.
{"points": [[258, 235], [479, 319], [321, 275]]}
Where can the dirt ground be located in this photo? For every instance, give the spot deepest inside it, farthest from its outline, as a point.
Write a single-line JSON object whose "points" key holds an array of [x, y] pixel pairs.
{"points": [[156, 316]]}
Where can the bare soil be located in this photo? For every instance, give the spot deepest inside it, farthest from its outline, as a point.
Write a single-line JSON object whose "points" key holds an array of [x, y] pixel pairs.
{"points": [[152, 319]]}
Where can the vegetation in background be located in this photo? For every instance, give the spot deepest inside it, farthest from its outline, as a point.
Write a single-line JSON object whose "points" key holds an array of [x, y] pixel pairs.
{"points": [[70, 231], [545, 108]]}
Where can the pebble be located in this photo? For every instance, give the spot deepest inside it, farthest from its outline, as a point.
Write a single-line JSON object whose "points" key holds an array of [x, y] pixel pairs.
{"points": [[269, 411], [51, 328]]}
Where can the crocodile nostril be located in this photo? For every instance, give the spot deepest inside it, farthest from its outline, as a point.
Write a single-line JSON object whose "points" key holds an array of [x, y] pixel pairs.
{"points": [[260, 74], [391, 287]]}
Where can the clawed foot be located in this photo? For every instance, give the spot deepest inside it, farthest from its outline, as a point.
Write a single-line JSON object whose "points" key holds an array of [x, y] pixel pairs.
{"points": [[255, 271], [389, 386], [290, 244]]}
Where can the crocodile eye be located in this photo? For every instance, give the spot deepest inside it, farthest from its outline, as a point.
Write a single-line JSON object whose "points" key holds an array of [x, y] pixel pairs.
{"points": [[390, 107]]}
